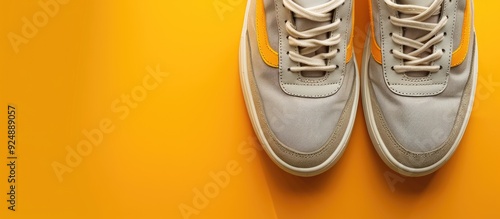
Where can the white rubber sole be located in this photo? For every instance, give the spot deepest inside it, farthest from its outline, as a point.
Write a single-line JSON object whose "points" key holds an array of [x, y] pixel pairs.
{"points": [[305, 172], [375, 135]]}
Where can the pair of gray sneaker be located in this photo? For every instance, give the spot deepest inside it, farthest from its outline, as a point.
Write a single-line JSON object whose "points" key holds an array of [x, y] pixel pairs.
{"points": [[301, 83]]}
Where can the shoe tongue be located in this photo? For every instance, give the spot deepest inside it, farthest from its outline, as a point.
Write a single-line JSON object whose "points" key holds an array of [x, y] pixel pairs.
{"points": [[425, 3], [310, 3], [303, 24]]}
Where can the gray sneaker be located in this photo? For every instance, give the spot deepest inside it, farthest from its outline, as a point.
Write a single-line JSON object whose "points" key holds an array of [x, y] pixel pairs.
{"points": [[420, 74], [300, 81]]}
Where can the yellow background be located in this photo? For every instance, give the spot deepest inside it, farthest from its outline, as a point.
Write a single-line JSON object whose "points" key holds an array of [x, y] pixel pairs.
{"points": [[67, 77]]}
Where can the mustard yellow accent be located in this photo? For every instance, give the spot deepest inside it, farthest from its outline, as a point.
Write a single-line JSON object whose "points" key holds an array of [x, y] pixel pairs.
{"points": [[376, 50], [460, 53], [267, 53], [350, 48]]}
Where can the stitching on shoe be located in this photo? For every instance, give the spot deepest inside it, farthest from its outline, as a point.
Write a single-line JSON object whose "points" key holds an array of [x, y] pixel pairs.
{"points": [[323, 148], [456, 127], [262, 117], [281, 71], [385, 67], [312, 84]]}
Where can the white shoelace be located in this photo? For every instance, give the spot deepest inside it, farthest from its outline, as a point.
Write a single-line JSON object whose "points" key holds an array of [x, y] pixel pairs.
{"points": [[417, 61], [307, 40]]}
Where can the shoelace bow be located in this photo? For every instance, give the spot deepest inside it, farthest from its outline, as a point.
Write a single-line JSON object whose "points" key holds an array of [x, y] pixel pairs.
{"points": [[415, 61], [307, 40]]}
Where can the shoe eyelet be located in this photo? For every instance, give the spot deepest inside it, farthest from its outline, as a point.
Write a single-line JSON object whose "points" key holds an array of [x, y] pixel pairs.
{"points": [[440, 67], [392, 68], [390, 34], [392, 51]]}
